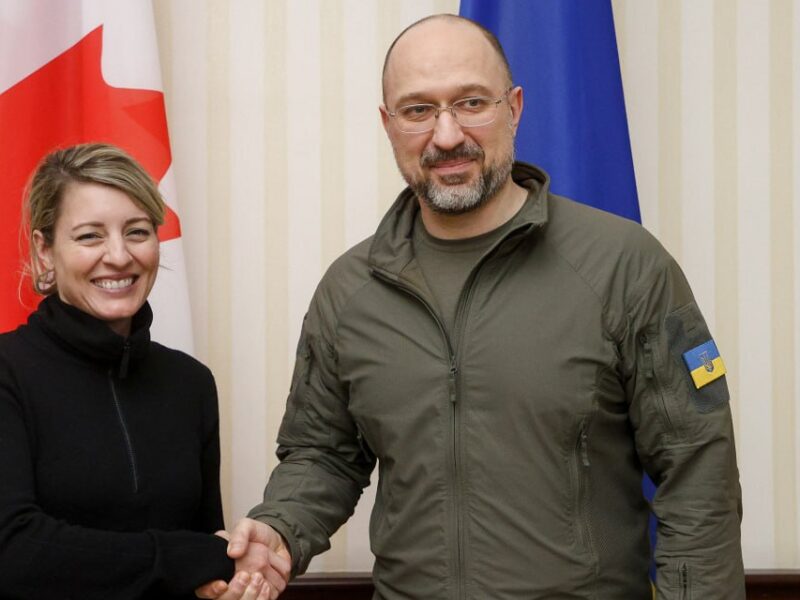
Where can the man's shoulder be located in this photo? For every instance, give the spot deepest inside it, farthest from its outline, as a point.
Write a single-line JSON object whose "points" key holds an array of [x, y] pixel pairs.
{"points": [[587, 232], [350, 268], [346, 275], [616, 257]]}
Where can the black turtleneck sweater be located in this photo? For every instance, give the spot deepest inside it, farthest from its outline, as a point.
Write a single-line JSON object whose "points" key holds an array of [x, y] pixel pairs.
{"points": [[109, 463]]}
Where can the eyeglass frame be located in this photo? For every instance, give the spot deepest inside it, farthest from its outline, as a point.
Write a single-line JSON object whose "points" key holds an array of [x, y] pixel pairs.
{"points": [[451, 109]]}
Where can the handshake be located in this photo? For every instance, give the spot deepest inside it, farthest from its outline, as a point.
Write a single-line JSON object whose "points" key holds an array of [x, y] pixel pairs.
{"points": [[263, 564]]}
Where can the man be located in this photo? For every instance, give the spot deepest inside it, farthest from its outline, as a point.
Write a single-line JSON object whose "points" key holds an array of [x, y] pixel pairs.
{"points": [[511, 360]]}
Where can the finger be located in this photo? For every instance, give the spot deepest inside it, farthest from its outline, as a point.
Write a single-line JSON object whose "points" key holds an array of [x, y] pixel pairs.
{"points": [[223, 534], [211, 590], [273, 593], [275, 581], [281, 563], [266, 592], [253, 590], [237, 587]]}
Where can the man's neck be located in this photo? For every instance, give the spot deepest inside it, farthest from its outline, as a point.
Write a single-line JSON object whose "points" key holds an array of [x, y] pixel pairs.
{"points": [[485, 218]]}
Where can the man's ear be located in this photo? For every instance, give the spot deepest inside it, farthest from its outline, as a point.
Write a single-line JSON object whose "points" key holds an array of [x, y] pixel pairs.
{"points": [[384, 117], [515, 104]]}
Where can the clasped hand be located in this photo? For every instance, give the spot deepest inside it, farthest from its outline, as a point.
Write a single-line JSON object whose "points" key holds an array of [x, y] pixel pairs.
{"points": [[263, 564]]}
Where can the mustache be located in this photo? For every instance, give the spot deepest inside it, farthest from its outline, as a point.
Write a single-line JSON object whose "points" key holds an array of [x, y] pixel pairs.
{"points": [[435, 155]]}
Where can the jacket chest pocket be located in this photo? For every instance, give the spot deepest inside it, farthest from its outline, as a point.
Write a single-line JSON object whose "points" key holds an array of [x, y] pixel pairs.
{"points": [[580, 464]]}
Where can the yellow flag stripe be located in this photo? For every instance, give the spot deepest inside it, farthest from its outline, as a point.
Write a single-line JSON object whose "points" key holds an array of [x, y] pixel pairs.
{"points": [[701, 376]]}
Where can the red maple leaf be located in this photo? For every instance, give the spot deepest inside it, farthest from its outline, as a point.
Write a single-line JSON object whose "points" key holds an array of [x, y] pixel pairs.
{"points": [[68, 102]]}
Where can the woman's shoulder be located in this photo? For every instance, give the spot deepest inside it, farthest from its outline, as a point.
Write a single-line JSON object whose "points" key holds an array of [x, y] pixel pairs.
{"points": [[20, 346], [177, 362], [10, 339]]}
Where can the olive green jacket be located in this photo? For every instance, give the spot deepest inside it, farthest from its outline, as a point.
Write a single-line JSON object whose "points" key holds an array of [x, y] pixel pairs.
{"points": [[510, 452]]}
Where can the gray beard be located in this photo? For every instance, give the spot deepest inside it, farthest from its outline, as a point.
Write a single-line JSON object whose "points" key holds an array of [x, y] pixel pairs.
{"points": [[451, 200]]}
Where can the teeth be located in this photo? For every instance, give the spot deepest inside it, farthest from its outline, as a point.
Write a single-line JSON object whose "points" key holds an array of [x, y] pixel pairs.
{"points": [[113, 284]]}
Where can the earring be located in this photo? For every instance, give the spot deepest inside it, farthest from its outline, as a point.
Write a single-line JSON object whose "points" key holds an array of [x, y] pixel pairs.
{"points": [[45, 281]]}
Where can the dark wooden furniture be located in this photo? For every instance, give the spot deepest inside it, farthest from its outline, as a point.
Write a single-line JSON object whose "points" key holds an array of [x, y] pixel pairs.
{"points": [[761, 585], [773, 585]]}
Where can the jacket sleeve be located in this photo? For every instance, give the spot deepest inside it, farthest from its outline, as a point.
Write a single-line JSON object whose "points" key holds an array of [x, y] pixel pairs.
{"points": [[322, 469], [45, 557], [684, 438]]}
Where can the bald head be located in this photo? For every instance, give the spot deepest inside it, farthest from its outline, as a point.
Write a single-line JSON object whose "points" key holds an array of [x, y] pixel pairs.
{"points": [[435, 22]]}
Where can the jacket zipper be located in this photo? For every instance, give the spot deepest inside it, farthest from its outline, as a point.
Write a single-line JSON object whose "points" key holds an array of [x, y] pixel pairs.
{"points": [[126, 356], [125, 433], [309, 363], [452, 386], [459, 325], [584, 445], [461, 309], [582, 464], [650, 374], [683, 577], [457, 497]]}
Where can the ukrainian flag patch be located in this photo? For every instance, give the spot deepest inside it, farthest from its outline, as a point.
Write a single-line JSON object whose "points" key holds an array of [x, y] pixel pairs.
{"points": [[704, 363]]}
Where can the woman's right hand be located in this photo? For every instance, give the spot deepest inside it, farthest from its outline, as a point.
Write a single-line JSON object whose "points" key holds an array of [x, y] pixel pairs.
{"points": [[243, 586]]}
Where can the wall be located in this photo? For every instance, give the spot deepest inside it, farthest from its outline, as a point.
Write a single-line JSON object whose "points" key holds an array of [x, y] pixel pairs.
{"points": [[281, 164]]}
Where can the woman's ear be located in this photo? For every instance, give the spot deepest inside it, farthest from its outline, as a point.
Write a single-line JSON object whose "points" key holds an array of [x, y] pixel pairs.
{"points": [[44, 251]]}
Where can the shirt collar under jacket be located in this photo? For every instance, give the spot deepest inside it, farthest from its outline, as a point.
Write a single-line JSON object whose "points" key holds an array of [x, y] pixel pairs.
{"points": [[392, 251]]}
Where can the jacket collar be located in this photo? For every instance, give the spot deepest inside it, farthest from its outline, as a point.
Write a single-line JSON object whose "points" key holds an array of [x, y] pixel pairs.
{"points": [[85, 336], [392, 251]]}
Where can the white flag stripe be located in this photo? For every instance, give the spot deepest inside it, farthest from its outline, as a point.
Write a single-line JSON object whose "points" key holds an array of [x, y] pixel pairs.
{"points": [[172, 321], [37, 31]]}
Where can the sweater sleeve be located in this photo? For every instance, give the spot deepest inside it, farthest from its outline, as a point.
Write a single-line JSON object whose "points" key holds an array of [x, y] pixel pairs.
{"points": [[45, 557]]}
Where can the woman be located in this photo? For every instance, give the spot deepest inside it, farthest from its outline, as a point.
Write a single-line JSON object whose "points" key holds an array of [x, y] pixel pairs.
{"points": [[109, 446]]}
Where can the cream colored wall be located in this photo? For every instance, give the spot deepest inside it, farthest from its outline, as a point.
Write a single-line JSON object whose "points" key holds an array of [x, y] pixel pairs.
{"points": [[281, 164], [712, 96]]}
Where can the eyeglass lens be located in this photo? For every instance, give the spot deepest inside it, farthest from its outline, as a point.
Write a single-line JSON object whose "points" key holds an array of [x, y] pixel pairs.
{"points": [[468, 112]]}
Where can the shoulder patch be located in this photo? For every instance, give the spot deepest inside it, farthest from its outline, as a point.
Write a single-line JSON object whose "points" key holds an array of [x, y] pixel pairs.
{"points": [[704, 363]]}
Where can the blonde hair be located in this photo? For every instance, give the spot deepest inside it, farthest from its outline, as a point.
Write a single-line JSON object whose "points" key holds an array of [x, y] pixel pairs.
{"points": [[85, 163]]}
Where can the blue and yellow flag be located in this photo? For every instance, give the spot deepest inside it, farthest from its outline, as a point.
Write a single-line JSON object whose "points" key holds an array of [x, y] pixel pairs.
{"points": [[704, 363]]}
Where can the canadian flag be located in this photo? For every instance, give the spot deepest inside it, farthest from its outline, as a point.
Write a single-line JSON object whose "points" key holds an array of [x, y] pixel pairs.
{"points": [[74, 71]]}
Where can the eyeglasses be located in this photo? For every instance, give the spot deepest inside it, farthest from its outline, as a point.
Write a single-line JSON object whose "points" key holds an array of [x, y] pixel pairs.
{"points": [[474, 111]]}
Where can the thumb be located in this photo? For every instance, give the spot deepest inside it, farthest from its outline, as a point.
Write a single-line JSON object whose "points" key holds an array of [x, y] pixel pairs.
{"points": [[239, 539], [246, 531], [213, 589]]}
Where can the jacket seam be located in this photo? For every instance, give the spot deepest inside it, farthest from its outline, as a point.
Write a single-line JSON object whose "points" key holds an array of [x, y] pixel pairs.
{"points": [[602, 300]]}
